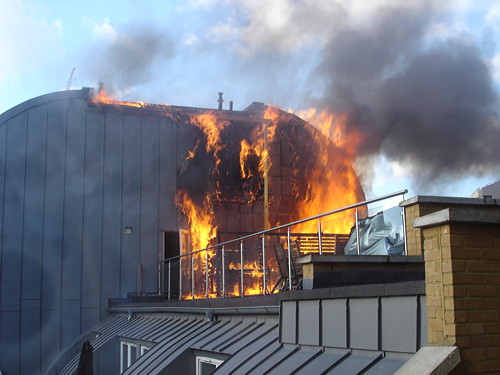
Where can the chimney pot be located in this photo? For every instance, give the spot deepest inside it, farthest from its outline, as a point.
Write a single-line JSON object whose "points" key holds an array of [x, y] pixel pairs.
{"points": [[220, 100]]}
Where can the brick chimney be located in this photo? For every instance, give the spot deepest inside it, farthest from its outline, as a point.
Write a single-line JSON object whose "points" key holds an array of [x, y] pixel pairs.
{"points": [[460, 241]]}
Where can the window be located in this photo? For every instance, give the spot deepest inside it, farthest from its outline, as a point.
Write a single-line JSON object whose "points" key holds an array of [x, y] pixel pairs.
{"points": [[205, 365], [131, 350], [128, 355]]}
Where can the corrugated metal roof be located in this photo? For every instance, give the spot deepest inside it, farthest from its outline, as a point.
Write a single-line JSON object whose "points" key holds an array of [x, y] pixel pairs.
{"points": [[251, 345]]}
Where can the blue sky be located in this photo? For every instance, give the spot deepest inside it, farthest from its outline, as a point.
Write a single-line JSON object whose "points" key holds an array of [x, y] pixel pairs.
{"points": [[384, 63]]}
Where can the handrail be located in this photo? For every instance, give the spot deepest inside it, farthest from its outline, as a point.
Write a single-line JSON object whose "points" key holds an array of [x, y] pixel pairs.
{"points": [[222, 246], [378, 199]]}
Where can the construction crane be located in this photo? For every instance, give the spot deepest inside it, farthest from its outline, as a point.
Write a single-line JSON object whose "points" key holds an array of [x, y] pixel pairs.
{"points": [[70, 80]]}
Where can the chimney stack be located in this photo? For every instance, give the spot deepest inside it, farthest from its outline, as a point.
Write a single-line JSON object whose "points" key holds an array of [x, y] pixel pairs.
{"points": [[220, 100], [230, 105]]}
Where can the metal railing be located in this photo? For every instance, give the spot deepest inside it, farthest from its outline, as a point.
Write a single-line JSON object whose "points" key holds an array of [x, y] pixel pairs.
{"points": [[165, 266]]}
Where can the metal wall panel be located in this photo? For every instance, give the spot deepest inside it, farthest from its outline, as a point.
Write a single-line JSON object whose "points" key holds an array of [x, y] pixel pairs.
{"points": [[149, 202], [334, 322], [33, 205], [12, 239], [131, 190], [70, 315], [422, 322], [92, 216], [399, 324], [9, 344], [30, 337], [50, 335], [73, 202], [112, 205], [288, 322], [308, 327], [54, 205], [167, 174], [363, 323]]}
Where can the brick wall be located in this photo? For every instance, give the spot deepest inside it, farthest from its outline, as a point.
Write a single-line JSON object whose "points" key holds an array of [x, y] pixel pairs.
{"points": [[462, 265]]}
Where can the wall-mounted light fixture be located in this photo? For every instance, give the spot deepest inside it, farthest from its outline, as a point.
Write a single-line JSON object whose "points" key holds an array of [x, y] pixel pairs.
{"points": [[128, 230]]}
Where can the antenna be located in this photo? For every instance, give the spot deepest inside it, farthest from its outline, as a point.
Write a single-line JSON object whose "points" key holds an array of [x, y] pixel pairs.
{"points": [[70, 80]]}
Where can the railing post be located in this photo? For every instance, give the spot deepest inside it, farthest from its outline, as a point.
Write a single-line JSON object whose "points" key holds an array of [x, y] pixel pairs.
{"points": [[192, 276], [264, 286], [159, 276], [320, 237], [404, 229], [169, 281], [242, 270], [180, 278], [358, 247], [206, 273], [289, 242], [223, 272]]}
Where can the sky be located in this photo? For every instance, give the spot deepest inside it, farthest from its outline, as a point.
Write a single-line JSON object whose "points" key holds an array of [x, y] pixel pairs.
{"points": [[419, 80]]}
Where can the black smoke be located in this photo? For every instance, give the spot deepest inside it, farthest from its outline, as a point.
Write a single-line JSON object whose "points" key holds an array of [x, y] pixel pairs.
{"points": [[130, 57], [428, 103]]}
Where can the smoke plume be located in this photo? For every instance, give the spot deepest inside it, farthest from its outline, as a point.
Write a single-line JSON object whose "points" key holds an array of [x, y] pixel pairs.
{"points": [[429, 106], [126, 59]]}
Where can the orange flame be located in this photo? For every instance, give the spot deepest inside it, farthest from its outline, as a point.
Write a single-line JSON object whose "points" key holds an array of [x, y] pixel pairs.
{"points": [[200, 219], [105, 98], [212, 128], [332, 184]]}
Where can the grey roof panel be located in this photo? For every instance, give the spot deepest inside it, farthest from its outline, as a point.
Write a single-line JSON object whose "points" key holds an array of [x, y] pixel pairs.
{"points": [[294, 361], [386, 366], [277, 357], [353, 364], [323, 362], [241, 342], [207, 343], [261, 348]]}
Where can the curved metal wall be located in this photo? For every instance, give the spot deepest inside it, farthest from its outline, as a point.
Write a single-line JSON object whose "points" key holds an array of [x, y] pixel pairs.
{"points": [[72, 178]]}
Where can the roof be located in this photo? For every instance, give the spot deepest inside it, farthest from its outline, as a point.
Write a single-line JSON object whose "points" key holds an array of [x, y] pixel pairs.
{"points": [[362, 330], [251, 345]]}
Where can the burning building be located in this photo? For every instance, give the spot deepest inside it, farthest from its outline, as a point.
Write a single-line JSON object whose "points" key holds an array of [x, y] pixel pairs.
{"points": [[96, 192]]}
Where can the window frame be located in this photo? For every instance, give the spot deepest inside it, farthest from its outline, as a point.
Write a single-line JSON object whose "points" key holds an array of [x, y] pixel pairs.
{"points": [[203, 359]]}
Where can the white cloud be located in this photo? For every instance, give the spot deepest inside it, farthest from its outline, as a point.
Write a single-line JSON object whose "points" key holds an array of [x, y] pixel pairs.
{"points": [[27, 40], [105, 30]]}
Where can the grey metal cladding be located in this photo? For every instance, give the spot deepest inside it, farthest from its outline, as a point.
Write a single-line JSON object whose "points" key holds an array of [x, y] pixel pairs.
{"points": [[226, 342], [422, 311], [309, 325], [295, 360], [72, 176], [323, 362], [386, 366], [255, 334], [353, 364], [225, 333], [363, 323], [276, 358], [252, 355], [399, 323], [288, 322], [334, 323]]}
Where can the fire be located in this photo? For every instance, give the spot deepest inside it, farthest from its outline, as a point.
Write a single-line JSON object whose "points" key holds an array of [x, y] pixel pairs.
{"points": [[200, 219], [282, 167], [332, 184], [104, 98], [212, 128]]}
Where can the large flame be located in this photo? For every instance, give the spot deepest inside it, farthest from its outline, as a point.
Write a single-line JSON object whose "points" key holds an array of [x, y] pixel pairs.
{"points": [[328, 183], [105, 98], [332, 183]]}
